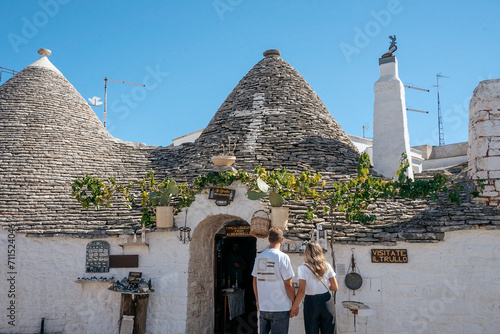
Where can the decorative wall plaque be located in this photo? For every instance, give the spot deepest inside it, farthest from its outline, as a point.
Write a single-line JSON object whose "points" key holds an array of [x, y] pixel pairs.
{"points": [[97, 259], [389, 255], [134, 277], [221, 194], [238, 231]]}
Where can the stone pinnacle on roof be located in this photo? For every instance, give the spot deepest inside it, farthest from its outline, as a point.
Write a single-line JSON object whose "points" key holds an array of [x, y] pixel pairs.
{"points": [[44, 52], [272, 52], [44, 62]]}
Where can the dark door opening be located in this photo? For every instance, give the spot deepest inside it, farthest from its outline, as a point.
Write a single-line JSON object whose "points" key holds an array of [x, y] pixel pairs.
{"points": [[235, 257]]}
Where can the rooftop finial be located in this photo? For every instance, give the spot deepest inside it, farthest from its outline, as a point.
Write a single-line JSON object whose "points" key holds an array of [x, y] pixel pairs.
{"points": [[272, 52], [392, 47], [44, 52]]}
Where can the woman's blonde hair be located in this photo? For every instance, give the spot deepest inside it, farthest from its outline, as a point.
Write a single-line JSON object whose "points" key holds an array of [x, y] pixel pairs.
{"points": [[315, 259]]}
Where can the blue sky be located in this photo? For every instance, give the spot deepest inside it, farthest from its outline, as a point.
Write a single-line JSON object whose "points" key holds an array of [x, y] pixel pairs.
{"points": [[191, 54]]}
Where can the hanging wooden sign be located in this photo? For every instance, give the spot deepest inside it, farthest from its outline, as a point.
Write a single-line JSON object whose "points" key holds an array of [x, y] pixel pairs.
{"points": [[124, 261], [97, 257], [389, 255], [221, 194], [238, 231]]}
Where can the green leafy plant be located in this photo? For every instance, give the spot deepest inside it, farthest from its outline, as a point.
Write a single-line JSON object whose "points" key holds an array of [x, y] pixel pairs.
{"points": [[94, 191], [353, 197], [220, 179], [164, 193], [280, 184]]}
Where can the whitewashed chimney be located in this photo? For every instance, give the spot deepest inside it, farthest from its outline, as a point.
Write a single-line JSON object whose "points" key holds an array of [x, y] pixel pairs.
{"points": [[390, 129], [484, 139]]}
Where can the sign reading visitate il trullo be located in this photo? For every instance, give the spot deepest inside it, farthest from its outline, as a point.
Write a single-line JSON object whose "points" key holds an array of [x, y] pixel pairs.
{"points": [[389, 255]]}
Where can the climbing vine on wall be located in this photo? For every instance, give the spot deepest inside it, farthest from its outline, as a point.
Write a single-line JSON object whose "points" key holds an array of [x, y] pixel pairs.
{"points": [[351, 197]]}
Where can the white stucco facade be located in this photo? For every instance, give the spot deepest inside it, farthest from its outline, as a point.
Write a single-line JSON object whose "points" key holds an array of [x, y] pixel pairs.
{"points": [[448, 287], [390, 129]]}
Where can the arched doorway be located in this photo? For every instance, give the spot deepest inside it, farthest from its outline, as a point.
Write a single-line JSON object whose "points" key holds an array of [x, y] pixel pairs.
{"points": [[234, 302], [202, 272]]}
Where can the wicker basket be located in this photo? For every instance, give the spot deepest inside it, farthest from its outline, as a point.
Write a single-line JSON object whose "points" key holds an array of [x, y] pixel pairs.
{"points": [[259, 226]]}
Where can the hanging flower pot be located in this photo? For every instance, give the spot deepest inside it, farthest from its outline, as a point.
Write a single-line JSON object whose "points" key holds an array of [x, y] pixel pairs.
{"points": [[279, 217], [164, 216], [223, 160]]}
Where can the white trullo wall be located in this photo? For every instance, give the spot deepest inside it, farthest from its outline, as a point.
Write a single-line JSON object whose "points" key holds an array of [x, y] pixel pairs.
{"points": [[448, 287]]}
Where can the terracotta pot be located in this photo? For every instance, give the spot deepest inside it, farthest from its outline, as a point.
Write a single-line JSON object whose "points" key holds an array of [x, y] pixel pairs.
{"points": [[223, 160], [164, 216], [279, 217]]}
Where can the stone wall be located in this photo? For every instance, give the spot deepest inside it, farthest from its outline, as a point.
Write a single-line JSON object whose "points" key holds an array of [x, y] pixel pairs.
{"points": [[484, 138]]}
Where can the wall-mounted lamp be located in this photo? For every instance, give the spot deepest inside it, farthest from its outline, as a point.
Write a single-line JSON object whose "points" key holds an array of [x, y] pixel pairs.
{"points": [[185, 232]]}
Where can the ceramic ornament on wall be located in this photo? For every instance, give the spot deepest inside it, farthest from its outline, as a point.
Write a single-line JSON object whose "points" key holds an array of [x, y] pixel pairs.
{"points": [[97, 257], [321, 237]]}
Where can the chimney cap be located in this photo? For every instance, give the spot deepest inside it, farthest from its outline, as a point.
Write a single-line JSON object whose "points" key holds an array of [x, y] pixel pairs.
{"points": [[272, 52], [44, 52]]}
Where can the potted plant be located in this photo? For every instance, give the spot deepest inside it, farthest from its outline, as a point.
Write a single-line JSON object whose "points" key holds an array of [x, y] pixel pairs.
{"points": [[280, 185], [226, 159], [160, 200]]}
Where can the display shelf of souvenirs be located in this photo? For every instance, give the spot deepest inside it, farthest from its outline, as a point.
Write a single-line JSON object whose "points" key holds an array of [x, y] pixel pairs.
{"points": [[135, 242], [95, 279], [289, 247], [124, 286]]}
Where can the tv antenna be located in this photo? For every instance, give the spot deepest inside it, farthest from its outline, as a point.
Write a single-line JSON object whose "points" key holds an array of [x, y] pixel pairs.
{"points": [[6, 70], [440, 119], [106, 94], [422, 89]]}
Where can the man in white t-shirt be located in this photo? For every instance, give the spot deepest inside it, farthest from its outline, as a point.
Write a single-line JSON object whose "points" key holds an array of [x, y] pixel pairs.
{"points": [[273, 286]]}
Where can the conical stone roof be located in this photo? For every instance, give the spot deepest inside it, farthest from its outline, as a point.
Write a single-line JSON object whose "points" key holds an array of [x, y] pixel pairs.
{"points": [[49, 136], [274, 115]]}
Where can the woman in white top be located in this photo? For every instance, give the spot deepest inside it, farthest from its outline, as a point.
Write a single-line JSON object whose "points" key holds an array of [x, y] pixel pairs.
{"points": [[314, 278]]}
